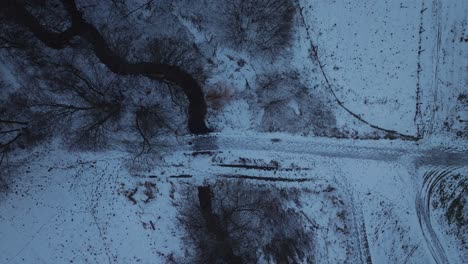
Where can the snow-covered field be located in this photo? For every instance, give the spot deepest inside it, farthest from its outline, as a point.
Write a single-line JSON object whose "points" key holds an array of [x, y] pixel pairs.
{"points": [[354, 70]]}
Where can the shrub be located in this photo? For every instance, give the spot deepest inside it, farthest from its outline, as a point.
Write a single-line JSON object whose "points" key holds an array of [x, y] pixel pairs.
{"points": [[259, 25], [218, 97], [244, 222], [292, 107]]}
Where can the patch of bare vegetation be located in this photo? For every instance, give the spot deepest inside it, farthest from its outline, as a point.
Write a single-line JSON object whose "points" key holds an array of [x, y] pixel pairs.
{"points": [[290, 106], [234, 221], [259, 25]]}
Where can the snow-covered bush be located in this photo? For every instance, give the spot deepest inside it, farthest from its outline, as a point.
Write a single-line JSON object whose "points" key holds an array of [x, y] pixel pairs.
{"points": [[259, 24], [449, 201], [289, 106], [219, 96], [245, 222], [457, 122]]}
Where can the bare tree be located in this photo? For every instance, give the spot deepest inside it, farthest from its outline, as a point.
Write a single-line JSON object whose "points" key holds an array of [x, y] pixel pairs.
{"points": [[240, 222], [290, 106], [72, 25], [259, 24]]}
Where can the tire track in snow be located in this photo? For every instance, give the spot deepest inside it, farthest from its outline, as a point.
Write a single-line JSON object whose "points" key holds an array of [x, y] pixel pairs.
{"points": [[445, 160], [423, 202], [360, 233], [361, 236], [408, 257]]}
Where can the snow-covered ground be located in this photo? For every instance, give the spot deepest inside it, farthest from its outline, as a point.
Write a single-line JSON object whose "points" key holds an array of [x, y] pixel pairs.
{"points": [[370, 52], [75, 206], [398, 65]]}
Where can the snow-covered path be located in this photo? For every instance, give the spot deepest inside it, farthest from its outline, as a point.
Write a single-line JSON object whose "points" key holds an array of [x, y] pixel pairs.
{"points": [[409, 153], [381, 180], [383, 150]]}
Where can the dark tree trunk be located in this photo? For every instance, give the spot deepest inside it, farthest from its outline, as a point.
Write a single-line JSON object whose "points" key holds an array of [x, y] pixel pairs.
{"points": [[117, 64], [214, 226]]}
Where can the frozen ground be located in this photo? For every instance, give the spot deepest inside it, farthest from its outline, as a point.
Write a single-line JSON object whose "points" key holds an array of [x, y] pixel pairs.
{"points": [[399, 65], [67, 207]]}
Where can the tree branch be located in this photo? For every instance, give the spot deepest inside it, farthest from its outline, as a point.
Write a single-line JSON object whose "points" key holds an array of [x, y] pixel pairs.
{"points": [[117, 64]]}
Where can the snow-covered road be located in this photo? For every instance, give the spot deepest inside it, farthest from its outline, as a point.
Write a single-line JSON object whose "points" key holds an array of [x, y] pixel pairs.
{"points": [[408, 153], [380, 183], [384, 150]]}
